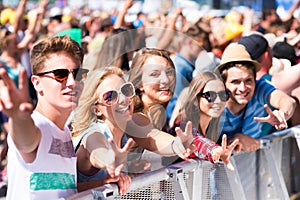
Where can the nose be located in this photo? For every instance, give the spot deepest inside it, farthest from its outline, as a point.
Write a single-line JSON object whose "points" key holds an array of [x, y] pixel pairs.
{"points": [[164, 78], [218, 99], [71, 79], [242, 86], [122, 99]]}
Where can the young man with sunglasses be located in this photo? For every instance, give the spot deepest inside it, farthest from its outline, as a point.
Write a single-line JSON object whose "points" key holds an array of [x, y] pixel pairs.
{"points": [[253, 105], [42, 162]]}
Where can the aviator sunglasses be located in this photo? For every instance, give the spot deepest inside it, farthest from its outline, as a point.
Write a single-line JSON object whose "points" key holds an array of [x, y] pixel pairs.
{"points": [[111, 97], [61, 75], [211, 96]]}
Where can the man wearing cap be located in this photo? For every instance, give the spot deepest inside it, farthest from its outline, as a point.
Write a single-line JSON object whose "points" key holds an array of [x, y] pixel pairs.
{"points": [[253, 104], [259, 50]]}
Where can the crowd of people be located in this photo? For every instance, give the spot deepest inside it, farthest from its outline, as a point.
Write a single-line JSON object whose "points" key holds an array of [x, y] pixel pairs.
{"points": [[90, 97]]}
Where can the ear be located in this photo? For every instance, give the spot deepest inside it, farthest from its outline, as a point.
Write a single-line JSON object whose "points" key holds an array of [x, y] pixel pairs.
{"points": [[141, 89], [37, 83], [96, 110], [196, 102]]}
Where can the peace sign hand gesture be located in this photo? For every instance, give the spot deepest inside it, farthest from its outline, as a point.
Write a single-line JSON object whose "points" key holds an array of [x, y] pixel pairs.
{"points": [[15, 101], [276, 118]]}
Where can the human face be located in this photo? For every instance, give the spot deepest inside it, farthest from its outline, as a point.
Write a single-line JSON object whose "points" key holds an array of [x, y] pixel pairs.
{"points": [[216, 107], [59, 95], [241, 84], [117, 112], [158, 81]]}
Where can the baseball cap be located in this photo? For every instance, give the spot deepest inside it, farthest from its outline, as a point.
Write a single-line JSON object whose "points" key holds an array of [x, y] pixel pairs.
{"points": [[236, 52], [255, 44], [284, 50]]}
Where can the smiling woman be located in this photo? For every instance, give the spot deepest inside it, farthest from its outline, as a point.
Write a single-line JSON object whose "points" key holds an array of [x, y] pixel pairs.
{"points": [[153, 74]]}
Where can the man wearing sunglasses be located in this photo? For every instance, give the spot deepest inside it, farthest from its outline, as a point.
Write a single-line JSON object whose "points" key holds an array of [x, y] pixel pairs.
{"points": [[42, 162], [255, 107]]}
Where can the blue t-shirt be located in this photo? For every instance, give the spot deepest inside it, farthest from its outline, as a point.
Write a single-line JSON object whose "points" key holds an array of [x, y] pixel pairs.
{"points": [[244, 123]]}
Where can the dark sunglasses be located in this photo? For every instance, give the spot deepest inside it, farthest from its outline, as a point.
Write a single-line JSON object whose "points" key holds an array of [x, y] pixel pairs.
{"points": [[211, 96], [111, 97], [61, 75]]}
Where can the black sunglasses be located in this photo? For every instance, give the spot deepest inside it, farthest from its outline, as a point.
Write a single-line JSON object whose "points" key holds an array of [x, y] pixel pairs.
{"points": [[111, 97], [61, 75], [211, 96]]}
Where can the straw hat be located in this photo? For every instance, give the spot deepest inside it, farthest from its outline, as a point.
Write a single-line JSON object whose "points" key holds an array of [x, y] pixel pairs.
{"points": [[236, 52]]}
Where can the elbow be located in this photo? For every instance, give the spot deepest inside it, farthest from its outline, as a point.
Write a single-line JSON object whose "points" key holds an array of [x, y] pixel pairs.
{"points": [[291, 109]]}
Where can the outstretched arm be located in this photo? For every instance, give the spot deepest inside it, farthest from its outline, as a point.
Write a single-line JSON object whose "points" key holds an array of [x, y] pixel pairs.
{"points": [[141, 130], [285, 107], [15, 104]]}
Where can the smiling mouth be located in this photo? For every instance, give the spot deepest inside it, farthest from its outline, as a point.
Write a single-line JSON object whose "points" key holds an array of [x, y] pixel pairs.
{"points": [[121, 110], [73, 93], [243, 95]]}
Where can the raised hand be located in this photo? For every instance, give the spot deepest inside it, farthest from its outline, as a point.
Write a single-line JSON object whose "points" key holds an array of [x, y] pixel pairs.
{"points": [[276, 118], [117, 157], [183, 144], [15, 102], [224, 152]]}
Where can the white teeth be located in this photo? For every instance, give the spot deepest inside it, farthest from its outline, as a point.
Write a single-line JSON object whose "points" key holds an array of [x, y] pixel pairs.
{"points": [[163, 90], [72, 93], [122, 109]]}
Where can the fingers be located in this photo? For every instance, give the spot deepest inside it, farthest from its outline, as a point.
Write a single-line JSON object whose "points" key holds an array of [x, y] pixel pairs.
{"points": [[23, 83], [182, 144], [281, 121], [128, 145], [261, 119], [113, 145], [124, 183], [179, 149], [188, 132], [268, 109], [224, 142], [111, 165], [6, 99], [233, 145]]}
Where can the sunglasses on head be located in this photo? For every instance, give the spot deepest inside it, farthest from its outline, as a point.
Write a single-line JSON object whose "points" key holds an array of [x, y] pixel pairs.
{"points": [[211, 96], [111, 97], [61, 75]]}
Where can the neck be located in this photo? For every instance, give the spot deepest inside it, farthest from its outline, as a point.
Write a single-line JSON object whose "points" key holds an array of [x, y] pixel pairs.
{"points": [[116, 132], [234, 108], [204, 120], [261, 73], [59, 118], [148, 103]]}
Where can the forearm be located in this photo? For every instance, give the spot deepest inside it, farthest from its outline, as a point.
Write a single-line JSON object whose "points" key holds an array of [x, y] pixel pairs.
{"points": [[284, 84], [158, 142], [90, 185], [283, 102], [19, 14]]}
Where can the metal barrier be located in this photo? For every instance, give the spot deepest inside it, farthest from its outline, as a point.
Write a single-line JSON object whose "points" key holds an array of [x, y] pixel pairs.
{"points": [[269, 173]]}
